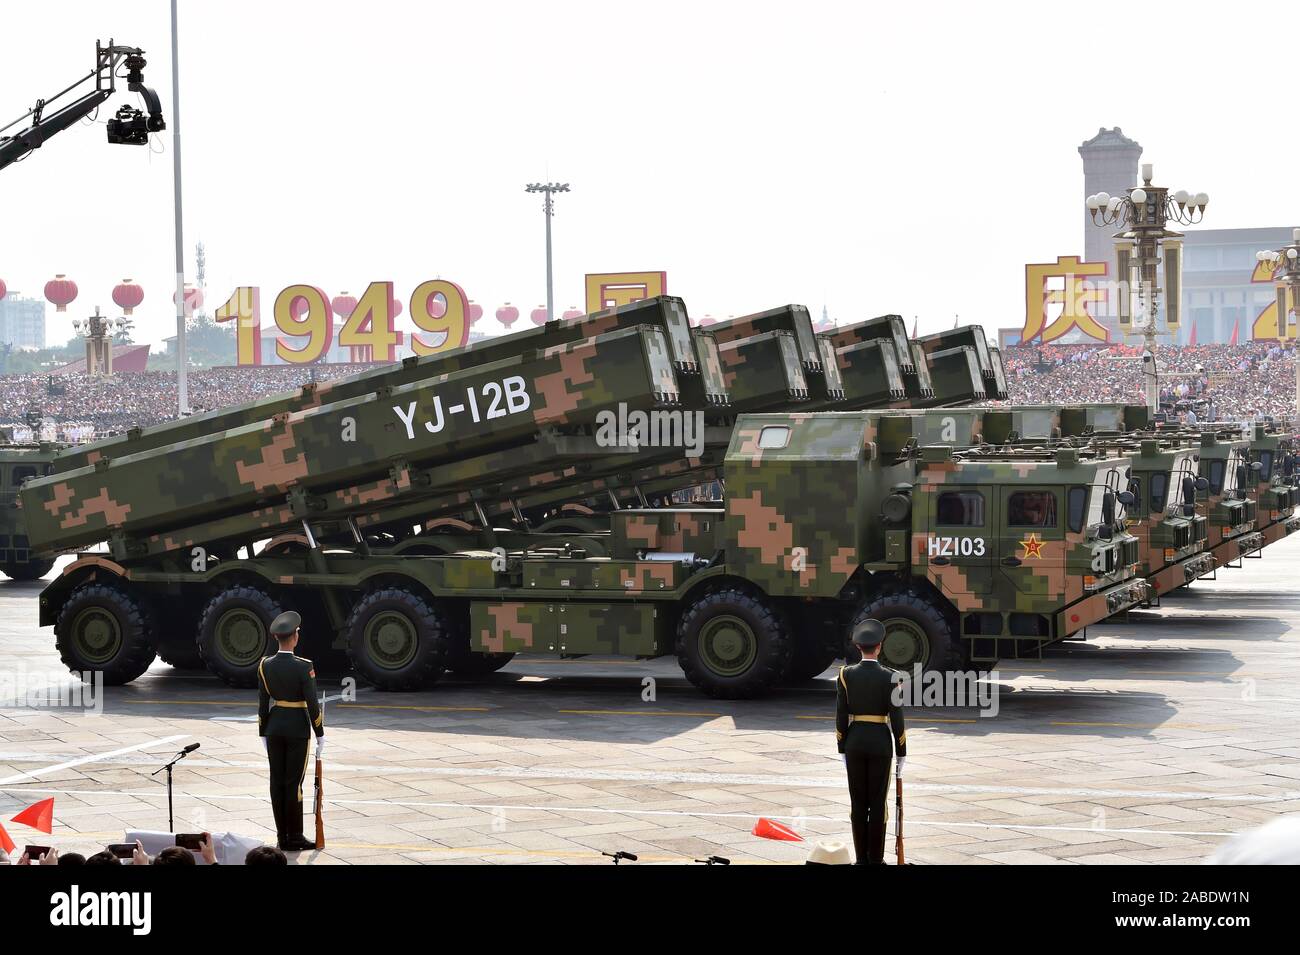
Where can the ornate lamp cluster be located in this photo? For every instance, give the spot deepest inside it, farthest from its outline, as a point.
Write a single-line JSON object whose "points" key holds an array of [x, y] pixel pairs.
{"points": [[1284, 267], [1143, 216], [98, 331]]}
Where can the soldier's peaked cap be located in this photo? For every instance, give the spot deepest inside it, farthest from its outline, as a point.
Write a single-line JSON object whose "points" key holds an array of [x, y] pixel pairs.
{"points": [[286, 623], [868, 633]]}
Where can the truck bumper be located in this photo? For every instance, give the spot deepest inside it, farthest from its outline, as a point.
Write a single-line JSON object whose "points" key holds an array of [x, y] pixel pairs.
{"points": [[1279, 529], [1234, 548], [1101, 605], [1181, 573]]}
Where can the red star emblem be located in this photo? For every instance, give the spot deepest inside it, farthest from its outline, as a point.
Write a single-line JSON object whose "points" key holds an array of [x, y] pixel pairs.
{"points": [[1033, 547]]}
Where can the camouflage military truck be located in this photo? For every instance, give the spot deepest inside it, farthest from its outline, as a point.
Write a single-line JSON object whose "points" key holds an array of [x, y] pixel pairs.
{"points": [[19, 463], [208, 526]]}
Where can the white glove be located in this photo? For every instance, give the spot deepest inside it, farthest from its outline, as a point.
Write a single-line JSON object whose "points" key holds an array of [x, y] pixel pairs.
{"points": [[898, 769], [320, 747]]}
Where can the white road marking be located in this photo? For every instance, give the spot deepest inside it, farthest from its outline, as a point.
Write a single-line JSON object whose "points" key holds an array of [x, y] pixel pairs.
{"points": [[394, 771], [600, 810], [93, 758]]}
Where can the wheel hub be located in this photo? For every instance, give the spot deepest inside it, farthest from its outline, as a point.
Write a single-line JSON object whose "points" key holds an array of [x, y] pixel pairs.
{"points": [[391, 640], [241, 637], [727, 645], [97, 635], [905, 645]]}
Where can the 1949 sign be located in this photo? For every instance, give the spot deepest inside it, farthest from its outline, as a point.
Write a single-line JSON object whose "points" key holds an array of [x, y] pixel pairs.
{"points": [[437, 307]]}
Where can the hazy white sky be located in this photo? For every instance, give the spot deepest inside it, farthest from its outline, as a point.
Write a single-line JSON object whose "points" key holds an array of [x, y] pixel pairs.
{"points": [[874, 157]]}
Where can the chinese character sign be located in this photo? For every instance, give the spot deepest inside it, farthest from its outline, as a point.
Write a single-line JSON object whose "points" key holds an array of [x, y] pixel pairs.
{"points": [[1062, 284], [611, 289]]}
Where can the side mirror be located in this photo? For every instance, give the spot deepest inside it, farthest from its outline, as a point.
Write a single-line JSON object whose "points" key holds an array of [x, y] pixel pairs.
{"points": [[1106, 532], [1256, 466], [1202, 484], [1126, 498], [1108, 509], [1189, 510]]}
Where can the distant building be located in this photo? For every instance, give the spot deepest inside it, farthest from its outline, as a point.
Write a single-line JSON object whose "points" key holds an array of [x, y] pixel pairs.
{"points": [[22, 322], [1110, 165], [1218, 291], [126, 359]]}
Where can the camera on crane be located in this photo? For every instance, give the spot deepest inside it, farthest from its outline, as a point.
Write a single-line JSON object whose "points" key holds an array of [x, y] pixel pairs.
{"points": [[129, 127]]}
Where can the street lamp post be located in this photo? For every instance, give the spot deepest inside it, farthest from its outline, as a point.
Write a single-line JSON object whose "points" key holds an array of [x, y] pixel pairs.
{"points": [[1285, 268], [1142, 216], [182, 384], [548, 190]]}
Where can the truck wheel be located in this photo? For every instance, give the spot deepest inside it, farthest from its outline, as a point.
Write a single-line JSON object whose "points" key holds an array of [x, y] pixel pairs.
{"points": [[916, 631], [103, 630], [31, 570], [809, 659], [733, 645], [235, 634], [396, 640]]}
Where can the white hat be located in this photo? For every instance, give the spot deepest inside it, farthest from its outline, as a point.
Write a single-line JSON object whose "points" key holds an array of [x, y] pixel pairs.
{"points": [[830, 853]]}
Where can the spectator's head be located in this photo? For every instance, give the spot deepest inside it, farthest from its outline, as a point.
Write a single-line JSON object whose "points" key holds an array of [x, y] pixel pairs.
{"points": [[71, 858], [175, 855], [266, 855], [103, 857]]}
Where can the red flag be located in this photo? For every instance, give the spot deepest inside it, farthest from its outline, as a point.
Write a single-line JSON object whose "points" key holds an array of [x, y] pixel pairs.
{"points": [[767, 829], [1235, 328], [6, 843], [39, 815], [1192, 340]]}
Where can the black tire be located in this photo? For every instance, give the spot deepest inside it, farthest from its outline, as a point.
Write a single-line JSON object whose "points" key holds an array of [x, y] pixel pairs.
{"points": [[914, 618], [809, 659], [235, 634], [103, 630], [733, 645], [179, 654], [396, 640], [31, 570]]}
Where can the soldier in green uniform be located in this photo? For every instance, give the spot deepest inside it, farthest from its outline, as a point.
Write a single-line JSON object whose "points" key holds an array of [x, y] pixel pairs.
{"points": [[288, 713], [865, 717]]}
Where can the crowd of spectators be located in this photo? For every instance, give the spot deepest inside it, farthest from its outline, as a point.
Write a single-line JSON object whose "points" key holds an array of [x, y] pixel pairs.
{"points": [[68, 403], [172, 855], [1221, 382]]}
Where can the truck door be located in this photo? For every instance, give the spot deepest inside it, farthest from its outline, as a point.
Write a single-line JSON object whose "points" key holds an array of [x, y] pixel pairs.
{"points": [[1031, 543], [959, 547]]}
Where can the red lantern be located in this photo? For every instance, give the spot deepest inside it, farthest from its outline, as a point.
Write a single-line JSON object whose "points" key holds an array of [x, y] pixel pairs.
{"points": [[394, 307], [507, 315], [344, 305], [60, 291], [193, 299], [475, 312], [128, 296], [573, 312], [4, 289], [708, 320], [298, 308], [538, 315]]}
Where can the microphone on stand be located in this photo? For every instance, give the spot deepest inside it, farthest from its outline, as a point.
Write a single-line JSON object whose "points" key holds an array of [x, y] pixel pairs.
{"points": [[171, 827]]}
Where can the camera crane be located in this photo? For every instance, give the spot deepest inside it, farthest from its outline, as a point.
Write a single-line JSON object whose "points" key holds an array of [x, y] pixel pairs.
{"points": [[129, 126]]}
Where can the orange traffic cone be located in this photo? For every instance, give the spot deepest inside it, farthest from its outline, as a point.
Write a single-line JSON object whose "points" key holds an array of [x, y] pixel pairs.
{"points": [[767, 829]]}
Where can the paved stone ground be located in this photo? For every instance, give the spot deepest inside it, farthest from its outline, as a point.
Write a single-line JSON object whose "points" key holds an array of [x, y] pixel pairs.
{"points": [[1150, 743]]}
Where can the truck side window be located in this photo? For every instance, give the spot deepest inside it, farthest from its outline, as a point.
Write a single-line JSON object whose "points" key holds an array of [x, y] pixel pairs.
{"points": [[960, 509], [1216, 477], [22, 473], [1031, 509], [1266, 459], [1078, 505], [1159, 488]]}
